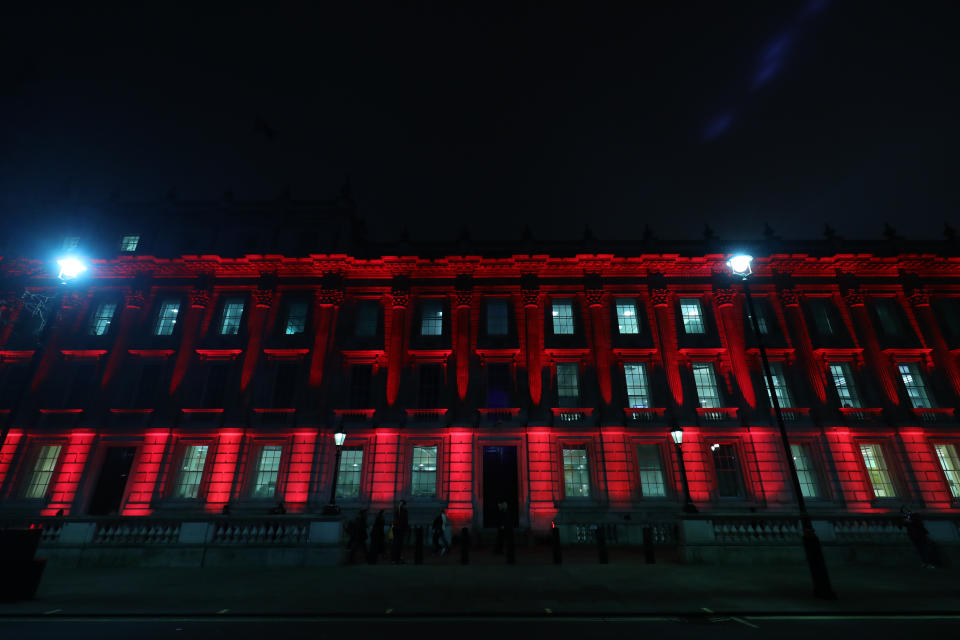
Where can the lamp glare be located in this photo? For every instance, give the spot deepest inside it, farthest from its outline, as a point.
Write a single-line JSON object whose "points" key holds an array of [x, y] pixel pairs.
{"points": [[740, 264]]}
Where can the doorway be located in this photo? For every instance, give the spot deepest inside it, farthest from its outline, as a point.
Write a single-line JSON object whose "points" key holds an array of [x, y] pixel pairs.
{"points": [[500, 484], [112, 482]]}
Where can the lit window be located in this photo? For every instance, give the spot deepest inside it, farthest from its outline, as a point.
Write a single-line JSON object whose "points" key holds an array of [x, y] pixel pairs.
{"points": [[950, 463], [651, 471], [637, 390], [877, 471], [166, 318], [497, 317], [627, 317], [232, 314], [431, 323], [191, 471], [129, 243], [296, 318], [821, 317], [727, 467], [368, 313], [576, 474], [779, 385], [706, 383], [562, 313], [348, 478], [268, 468], [843, 383], [916, 389], [888, 316], [70, 243], [42, 471], [692, 316], [568, 384], [424, 477], [809, 487], [102, 317]]}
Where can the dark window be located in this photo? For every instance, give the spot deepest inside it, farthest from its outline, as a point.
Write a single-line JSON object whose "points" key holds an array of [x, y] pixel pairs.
{"points": [[296, 318], [727, 466], [13, 383], [148, 391], [216, 387], [285, 384], [431, 381], [497, 317], [361, 377], [889, 316], [83, 386], [499, 382], [368, 315], [823, 319]]}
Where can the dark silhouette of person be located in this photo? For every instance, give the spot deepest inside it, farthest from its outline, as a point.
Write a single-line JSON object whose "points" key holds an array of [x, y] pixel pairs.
{"points": [[502, 516], [278, 510], [440, 544], [357, 530], [376, 538], [401, 526], [920, 538]]}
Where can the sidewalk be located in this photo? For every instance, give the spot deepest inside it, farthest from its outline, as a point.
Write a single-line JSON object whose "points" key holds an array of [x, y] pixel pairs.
{"points": [[488, 586]]}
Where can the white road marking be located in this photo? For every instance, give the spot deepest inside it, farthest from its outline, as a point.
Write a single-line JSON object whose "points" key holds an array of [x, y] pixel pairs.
{"points": [[52, 611], [742, 621], [222, 611]]}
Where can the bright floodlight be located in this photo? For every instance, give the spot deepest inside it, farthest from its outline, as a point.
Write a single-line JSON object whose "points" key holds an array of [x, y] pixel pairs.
{"points": [[740, 264], [677, 435], [70, 268], [338, 438]]}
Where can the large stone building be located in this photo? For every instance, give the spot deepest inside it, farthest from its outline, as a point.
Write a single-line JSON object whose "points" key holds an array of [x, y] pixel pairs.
{"points": [[211, 351]]}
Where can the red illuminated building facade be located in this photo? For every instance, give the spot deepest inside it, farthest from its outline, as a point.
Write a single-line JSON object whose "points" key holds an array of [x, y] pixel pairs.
{"points": [[210, 352]]}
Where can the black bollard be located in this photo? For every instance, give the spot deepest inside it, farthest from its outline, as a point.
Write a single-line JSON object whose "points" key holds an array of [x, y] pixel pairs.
{"points": [[418, 550], [602, 544], [508, 539], [464, 546], [648, 545], [557, 558]]}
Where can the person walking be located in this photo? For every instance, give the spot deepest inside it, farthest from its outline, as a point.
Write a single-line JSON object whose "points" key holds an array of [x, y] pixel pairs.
{"points": [[376, 539], [440, 544], [920, 538], [401, 525]]}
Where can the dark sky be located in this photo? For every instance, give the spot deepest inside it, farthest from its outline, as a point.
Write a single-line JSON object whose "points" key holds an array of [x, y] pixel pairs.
{"points": [[671, 114]]}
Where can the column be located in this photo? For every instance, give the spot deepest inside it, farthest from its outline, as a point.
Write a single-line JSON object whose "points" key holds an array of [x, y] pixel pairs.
{"points": [[460, 466], [71, 311], [670, 356], [398, 334], [299, 467], [601, 341], [875, 360], [801, 339], [144, 474], [132, 305], [225, 460], [534, 340], [731, 317], [325, 306], [67, 481], [540, 486], [934, 337], [262, 300], [198, 309], [461, 327]]}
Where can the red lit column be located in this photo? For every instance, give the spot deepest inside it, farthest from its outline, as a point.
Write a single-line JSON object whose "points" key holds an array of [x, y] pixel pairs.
{"points": [[617, 469], [144, 475], [934, 337], [224, 467], [133, 303], [534, 338], [67, 482], [464, 301], [801, 339], [7, 451], [876, 360], [262, 301], [71, 312], [398, 334], [199, 306], [386, 451], [460, 465], [601, 342], [325, 307], [540, 489], [299, 468], [731, 316], [660, 298]]}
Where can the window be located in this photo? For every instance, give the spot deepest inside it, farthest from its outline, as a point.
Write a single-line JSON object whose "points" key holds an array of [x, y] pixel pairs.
{"points": [[727, 466], [760, 311], [562, 313], [166, 318], [424, 479], [102, 317], [129, 243], [950, 463], [285, 384], [368, 315], [692, 316], [268, 468], [802, 460], [296, 318], [651, 471], [42, 472], [191, 471], [843, 383], [497, 318], [151, 377], [232, 314], [431, 322], [888, 316], [348, 477], [215, 389], [568, 384], [576, 474], [70, 243], [499, 383], [431, 383], [706, 383], [821, 317], [627, 317], [635, 375], [877, 471], [916, 389], [779, 385], [361, 376]]}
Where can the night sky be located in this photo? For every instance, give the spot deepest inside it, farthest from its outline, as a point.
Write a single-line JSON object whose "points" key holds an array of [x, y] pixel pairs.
{"points": [[673, 114]]}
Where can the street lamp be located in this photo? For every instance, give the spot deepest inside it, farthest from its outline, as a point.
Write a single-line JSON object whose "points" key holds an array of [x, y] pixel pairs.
{"points": [[740, 266], [332, 508], [677, 435], [70, 268]]}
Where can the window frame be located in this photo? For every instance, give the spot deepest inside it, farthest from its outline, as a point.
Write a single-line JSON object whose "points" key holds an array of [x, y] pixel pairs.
{"points": [[411, 448], [575, 365], [645, 375], [258, 446], [124, 245], [638, 325], [288, 306], [712, 367], [917, 374], [816, 470], [669, 492], [489, 303], [29, 466], [954, 496], [700, 319], [437, 322], [159, 317], [745, 493], [96, 318], [591, 484], [228, 301], [177, 469], [376, 306], [557, 320], [892, 471], [353, 446], [784, 386], [849, 380]]}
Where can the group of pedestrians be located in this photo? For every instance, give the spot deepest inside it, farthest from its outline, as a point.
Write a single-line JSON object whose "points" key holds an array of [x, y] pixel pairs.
{"points": [[398, 534]]}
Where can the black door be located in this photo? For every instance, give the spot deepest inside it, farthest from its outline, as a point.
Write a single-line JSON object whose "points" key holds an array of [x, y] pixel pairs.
{"points": [[500, 484], [112, 481]]}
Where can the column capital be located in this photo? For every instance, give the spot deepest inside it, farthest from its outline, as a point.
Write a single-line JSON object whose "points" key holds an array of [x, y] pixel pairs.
{"points": [[262, 298], [919, 298], [530, 297], [593, 297], [134, 300], [724, 297], [199, 299], [790, 297], [399, 298], [329, 297], [660, 297], [853, 298]]}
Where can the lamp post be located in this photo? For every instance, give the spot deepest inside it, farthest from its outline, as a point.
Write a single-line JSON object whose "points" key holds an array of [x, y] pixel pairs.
{"points": [[740, 266], [332, 508], [677, 435]]}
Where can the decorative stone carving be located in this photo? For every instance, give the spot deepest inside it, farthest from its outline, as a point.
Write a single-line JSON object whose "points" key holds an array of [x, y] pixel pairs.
{"points": [[401, 298], [199, 299], [594, 297], [660, 297], [530, 297], [134, 300], [463, 298], [724, 297], [330, 297], [789, 298], [919, 298], [853, 298], [262, 298]]}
